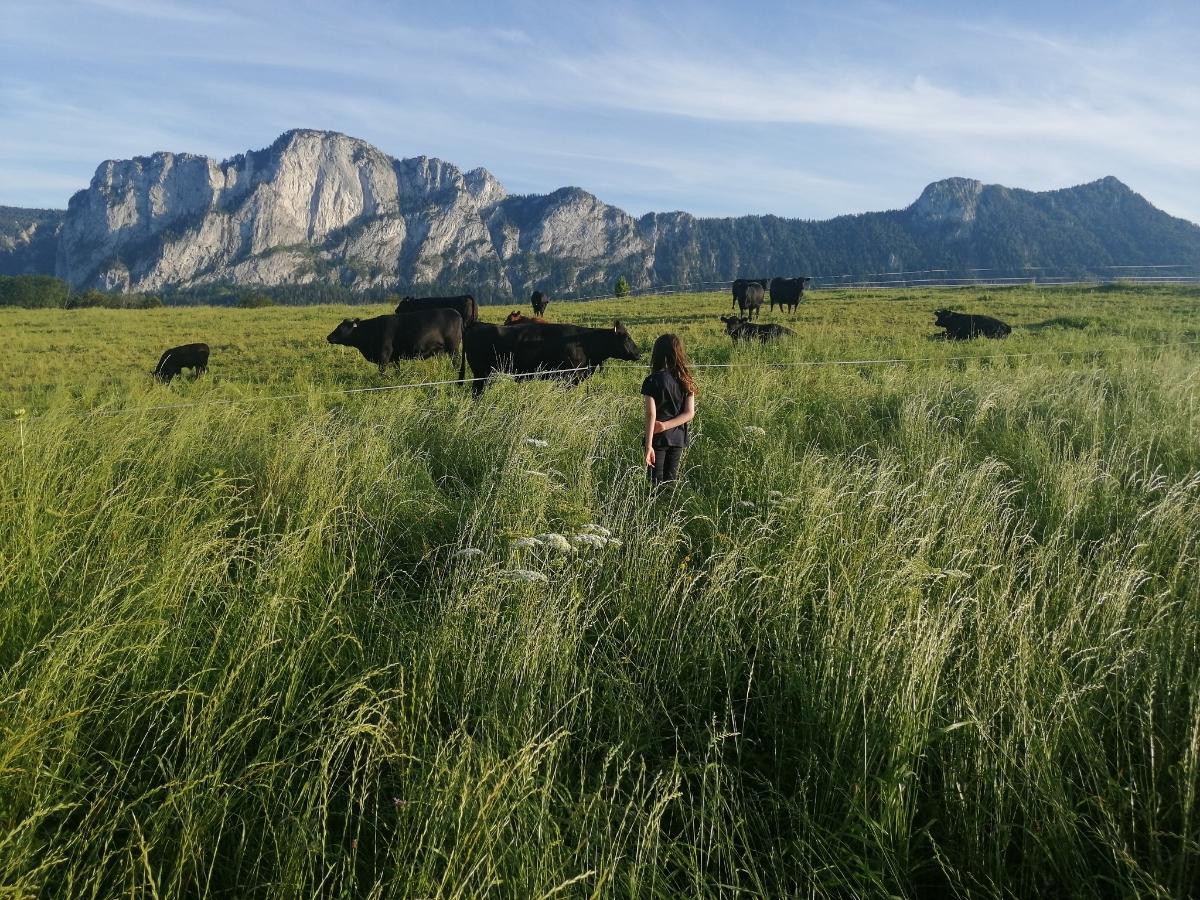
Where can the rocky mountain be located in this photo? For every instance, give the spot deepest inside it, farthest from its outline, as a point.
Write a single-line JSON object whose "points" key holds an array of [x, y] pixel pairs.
{"points": [[28, 240], [321, 207]]}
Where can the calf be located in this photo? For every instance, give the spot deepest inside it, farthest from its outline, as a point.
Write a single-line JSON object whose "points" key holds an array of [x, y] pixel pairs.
{"points": [[745, 330], [186, 356], [539, 302], [415, 335], [964, 326]]}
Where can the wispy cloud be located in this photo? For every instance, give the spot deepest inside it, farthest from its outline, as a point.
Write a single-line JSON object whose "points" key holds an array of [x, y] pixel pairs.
{"points": [[774, 108]]}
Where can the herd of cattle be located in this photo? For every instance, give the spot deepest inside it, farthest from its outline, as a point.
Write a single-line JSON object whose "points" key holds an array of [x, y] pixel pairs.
{"points": [[427, 326]]}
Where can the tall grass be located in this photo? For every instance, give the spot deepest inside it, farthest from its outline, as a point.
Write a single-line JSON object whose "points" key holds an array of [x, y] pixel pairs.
{"points": [[935, 631]]}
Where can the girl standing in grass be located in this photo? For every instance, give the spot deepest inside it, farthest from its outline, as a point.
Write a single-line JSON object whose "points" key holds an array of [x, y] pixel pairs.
{"points": [[670, 394]]}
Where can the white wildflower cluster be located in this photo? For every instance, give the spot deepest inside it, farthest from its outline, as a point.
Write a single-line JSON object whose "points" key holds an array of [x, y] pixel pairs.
{"points": [[745, 504], [553, 541], [595, 536], [525, 543], [469, 553], [754, 431], [595, 541], [536, 442]]}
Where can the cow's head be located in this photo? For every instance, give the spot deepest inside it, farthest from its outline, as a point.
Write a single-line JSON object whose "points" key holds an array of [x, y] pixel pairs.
{"points": [[628, 349], [732, 323], [344, 333], [513, 317], [942, 317]]}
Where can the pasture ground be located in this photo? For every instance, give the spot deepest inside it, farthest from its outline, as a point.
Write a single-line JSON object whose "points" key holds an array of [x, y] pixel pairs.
{"points": [[914, 629]]}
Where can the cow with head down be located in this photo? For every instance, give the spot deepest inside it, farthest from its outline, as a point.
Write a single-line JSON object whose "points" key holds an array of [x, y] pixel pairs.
{"points": [[571, 352], [539, 302], [186, 356], [416, 335], [748, 295]]}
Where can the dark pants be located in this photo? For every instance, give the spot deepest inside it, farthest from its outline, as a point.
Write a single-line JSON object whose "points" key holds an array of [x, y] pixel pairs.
{"points": [[666, 464]]}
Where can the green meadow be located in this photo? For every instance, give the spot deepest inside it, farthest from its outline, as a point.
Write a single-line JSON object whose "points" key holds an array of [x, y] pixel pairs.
{"points": [[925, 627]]}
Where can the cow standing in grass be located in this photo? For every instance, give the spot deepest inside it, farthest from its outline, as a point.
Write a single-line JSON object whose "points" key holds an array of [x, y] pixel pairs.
{"points": [[533, 347], [186, 356], [539, 302], [463, 304], [748, 296], [416, 335], [788, 292]]}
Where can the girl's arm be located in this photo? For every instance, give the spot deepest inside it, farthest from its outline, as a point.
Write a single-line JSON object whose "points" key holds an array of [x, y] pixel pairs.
{"points": [[689, 413], [650, 413]]}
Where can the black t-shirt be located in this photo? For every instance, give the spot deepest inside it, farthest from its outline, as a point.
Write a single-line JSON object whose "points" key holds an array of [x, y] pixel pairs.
{"points": [[670, 398]]}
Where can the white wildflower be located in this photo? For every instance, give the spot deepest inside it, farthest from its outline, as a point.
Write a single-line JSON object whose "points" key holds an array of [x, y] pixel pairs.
{"points": [[592, 528], [527, 575], [468, 553], [775, 496], [525, 543], [754, 431], [614, 543], [745, 504], [536, 442], [554, 541], [595, 541]]}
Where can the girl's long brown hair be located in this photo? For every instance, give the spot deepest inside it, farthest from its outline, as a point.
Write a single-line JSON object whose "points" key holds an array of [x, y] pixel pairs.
{"points": [[668, 354]]}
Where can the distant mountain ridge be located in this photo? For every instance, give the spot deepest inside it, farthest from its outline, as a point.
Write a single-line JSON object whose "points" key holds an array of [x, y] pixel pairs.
{"points": [[322, 207]]}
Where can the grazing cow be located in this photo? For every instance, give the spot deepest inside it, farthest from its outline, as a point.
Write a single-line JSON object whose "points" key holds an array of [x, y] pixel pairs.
{"points": [[963, 326], [516, 317], [539, 302], [748, 295], [413, 335], [535, 347], [788, 292], [187, 356], [739, 285], [464, 304], [745, 330]]}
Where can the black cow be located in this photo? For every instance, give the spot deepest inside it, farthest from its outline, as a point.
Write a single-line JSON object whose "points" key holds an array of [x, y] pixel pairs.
{"points": [[739, 285], [964, 326], [788, 292], [745, 330], [533, 347], [412, 335], [748, 295], [464, 304], [187, 356], [539, 302]]}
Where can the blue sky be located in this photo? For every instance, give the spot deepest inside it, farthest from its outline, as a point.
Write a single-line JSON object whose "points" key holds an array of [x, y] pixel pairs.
{"points": [[799, 109]]}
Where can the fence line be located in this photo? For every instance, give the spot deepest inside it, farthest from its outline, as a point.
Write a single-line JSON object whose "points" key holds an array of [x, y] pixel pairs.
{"points": [[233, 401], [895, 279]]}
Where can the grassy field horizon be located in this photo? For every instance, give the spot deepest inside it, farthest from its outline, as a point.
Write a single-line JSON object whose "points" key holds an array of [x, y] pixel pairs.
{"points": [[905, 629]]}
